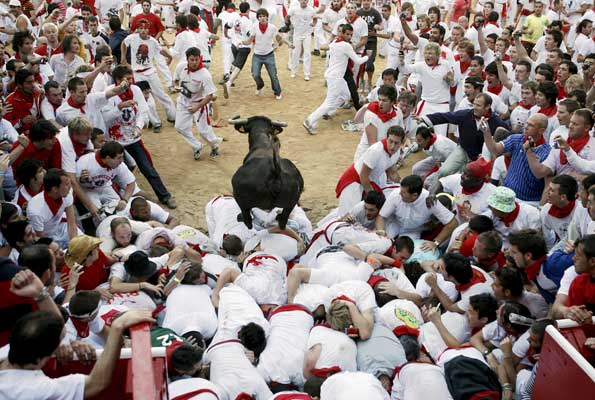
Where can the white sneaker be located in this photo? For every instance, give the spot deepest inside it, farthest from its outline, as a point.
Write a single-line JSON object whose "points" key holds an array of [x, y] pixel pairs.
{"points": [[226, 89], [293, 75], [279, 96], [306, 78], [257, 93], [309, 128]]}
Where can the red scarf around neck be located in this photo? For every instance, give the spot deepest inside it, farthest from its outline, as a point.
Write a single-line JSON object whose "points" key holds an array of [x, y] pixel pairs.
{"points": [[384, 117], [472, 190], [352, 21], [385, 146], [549, 111], [507, 160], [575, 144], [495, 89], [54, 205], [200, 66], [433, 139], [563, 212], [79, 149], [464, 66], [82, 328], [79, 106], [263, 27], [538, 143], [101, 163], [487, 115], [511, 217], [525, 106], [533, 269], [476, 278]]}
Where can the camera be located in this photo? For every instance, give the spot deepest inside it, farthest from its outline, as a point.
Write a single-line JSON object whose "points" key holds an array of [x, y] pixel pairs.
{"points": [[586, 66], [403, 15], [80, 17], [517, 34]]}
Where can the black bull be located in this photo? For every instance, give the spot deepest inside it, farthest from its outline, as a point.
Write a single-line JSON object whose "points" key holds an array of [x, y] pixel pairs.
{"points": [[265, 180]]}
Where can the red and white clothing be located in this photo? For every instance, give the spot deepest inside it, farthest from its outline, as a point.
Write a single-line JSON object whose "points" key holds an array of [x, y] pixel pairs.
{"points": [[123, 125], [357, 292], [469, 203], [99, 185], [23, 196], [382, 123], [562, 164], [409, 218], [527, 218], [360, 30], [89, 332], [214, 264], [193, 389], [338, 351], [555, 221], [519, 116], [301, 20], [90, 109], [457, 324], [349, 189], [465, 351], [156, 213], [334, 267], [22, 106], [233, 373], [353, 386], [236, 309], [283, 358], [420, 381], [480, 283], [221, 214], [182, 315], [34, 384], [49, 216], [64, 70], [192, 38], [195, 86], [583, 45], [71, 151], [264, 41], [439, 148], [263, 277]]}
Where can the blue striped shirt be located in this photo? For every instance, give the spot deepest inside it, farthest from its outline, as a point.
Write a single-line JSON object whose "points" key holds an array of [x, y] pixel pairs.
{"points": [[519, 176]]}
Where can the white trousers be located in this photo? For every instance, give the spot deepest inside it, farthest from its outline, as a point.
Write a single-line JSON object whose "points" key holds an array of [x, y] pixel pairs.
{"points": [[423, 167], [153, 116], [349, 197], [227, 56], [163, 69], [426, 107], [337, 93], [300, 42], [102, 196], [158, 92], [185, 121]]}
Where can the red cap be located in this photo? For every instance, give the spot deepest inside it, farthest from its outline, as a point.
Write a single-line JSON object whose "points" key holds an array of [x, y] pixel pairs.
{"points": [[375, 280], [480, 168]]}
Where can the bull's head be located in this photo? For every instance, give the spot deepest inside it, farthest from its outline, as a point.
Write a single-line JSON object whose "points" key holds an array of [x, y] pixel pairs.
{"points": [[244, 125]]}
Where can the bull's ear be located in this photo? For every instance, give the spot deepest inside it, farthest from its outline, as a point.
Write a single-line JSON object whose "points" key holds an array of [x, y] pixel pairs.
{"points": [[241, 128], [277, 130]]}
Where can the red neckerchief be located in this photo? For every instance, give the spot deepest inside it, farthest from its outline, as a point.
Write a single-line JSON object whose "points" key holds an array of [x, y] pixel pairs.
{"points": [[466, 248], [197, 30], [538, 143], [477, 277], [385, 146], [525, 106], [82, 328], [351, 22], [180, 31], [426, 30], [487, 115], [563, 212], [533, 269], [575, 144], [126, 95], [344, 298], [511, 217], [505, 57], [472, 190], [244, 15], [384, 117], [230, 10], [79, 107], [325, 372], [100, 162], [79, 149], [200, 66], [54, 205], [548, 111], [496, 89], [263, 27], [464, 66], [405, 330], [433, 139], [497, 259]]}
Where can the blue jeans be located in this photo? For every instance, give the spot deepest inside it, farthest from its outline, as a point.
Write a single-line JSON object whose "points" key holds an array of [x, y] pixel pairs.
{"points": [[268, 61], [140, 154]]}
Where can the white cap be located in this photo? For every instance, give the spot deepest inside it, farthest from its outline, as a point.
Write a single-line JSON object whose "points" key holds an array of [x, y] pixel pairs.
{"points": [[14, 3]]}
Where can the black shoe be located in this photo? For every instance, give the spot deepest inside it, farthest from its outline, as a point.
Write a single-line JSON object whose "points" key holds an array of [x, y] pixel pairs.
{"points": [[157, 128], [316, 52], [171, 121]]}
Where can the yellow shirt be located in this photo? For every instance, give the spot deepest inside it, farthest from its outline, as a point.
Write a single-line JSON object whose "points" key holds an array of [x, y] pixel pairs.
{"points": [[535, 25]]}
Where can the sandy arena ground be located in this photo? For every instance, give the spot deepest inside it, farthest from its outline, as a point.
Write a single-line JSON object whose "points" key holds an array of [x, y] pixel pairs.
{"points": [[321, 158]]}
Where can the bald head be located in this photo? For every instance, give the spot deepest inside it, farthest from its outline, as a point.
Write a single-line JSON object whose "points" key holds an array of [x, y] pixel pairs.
{"points": [[539, 120]]}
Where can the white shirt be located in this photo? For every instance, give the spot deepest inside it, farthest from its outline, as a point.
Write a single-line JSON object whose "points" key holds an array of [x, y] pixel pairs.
{"points": [[264, 43], [264, 278], [467, 204], [553, 159], [331, 268], [360, 30], [528, 218], [34, 384], [241, 31], [519, 117], [584, 46], [420, 381], [64, 71], [189, 385], [187, 39], [411, 217], [157, 212], [41, 217], [378, 160], [370, 118], [108, 8], [441, 149], [553, 228], [122, 124], [93, 103], [301, 20], [142, 52], [182, 315], [195, 85], [434, 88], [353, 386], [69, 156], [101, 177], [360, 292], [48, 111], [338, 56], [337, 349], [477, 288]]}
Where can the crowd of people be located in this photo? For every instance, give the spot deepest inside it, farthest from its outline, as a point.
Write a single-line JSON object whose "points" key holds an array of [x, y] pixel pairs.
{"points": [[435, 285]]}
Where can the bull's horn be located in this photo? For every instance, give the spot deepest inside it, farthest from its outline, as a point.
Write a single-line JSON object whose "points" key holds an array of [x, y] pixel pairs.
{"points": [[237, 121], [281, 124]]}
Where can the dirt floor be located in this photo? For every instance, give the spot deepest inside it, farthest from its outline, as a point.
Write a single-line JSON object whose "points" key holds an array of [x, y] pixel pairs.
{"points": [[321, 158]]}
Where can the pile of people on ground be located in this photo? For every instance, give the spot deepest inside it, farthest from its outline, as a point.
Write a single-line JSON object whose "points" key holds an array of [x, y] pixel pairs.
{"points": [[439, 284]]}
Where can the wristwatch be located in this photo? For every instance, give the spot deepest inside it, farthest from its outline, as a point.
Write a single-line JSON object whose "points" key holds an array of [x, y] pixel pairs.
{"points": [[44, 294], [437, 243]]}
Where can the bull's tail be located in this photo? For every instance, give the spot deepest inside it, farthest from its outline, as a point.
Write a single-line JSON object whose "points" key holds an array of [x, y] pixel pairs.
{"points": [[276, 163]]}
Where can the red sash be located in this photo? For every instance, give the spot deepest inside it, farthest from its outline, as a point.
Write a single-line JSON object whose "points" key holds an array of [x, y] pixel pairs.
{"points": [[577, 145], [351, 176]]}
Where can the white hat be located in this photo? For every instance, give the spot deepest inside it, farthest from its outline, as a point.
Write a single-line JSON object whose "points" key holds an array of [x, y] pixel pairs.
{"points": [[14, 3]]}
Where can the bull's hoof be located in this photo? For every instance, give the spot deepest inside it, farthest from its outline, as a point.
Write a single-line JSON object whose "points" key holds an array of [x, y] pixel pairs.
{"points": [[240, 217]]}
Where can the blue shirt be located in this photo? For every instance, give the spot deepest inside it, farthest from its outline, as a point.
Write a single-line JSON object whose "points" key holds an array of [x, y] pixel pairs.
{"points": [[519, 176]]}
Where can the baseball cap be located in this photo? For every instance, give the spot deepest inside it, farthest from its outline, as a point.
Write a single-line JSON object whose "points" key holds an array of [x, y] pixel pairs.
{"points": [[139, 265], [480, 168], [14, 3], [476, 81], [502, 199], [79, 248]]}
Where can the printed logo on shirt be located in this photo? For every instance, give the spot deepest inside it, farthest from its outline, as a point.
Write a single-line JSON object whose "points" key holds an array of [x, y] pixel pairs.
{"points": [[407, 318]]}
